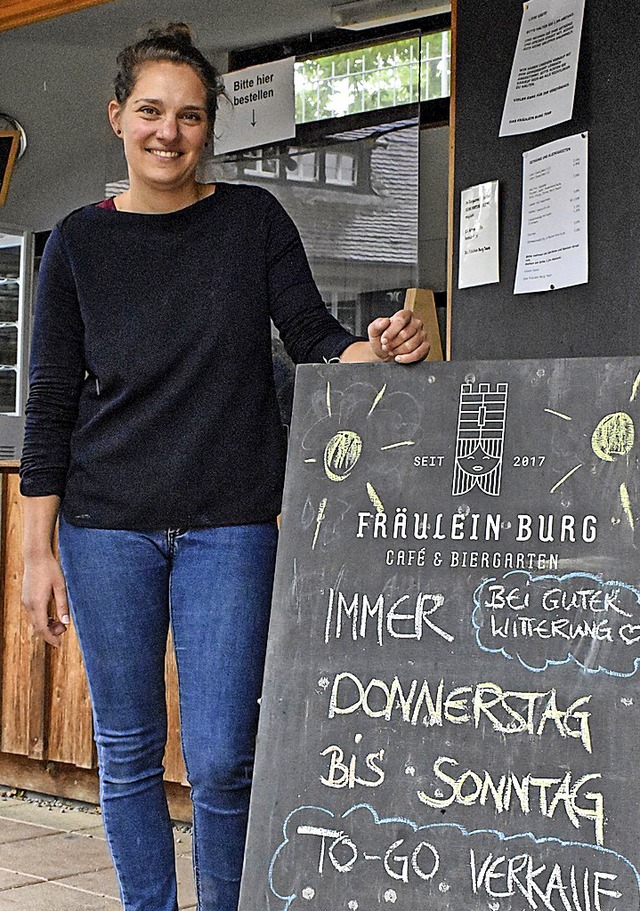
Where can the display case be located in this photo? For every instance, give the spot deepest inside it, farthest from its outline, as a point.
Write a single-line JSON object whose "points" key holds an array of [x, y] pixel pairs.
{"points": [[16, 287]]}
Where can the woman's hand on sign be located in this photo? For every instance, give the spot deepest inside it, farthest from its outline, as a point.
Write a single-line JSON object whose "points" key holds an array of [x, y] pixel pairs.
{"points": [[401, 338]]}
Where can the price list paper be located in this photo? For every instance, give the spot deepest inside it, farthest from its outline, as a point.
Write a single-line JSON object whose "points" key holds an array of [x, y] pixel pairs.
{"points": [[451, 710], [553, 250]]}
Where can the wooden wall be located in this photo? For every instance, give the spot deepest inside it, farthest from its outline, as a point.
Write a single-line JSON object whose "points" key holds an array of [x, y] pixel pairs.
{"points": [[46, 741]]}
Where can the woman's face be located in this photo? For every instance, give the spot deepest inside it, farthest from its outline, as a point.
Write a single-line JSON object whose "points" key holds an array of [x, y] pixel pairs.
{"points": [[163, 124]]}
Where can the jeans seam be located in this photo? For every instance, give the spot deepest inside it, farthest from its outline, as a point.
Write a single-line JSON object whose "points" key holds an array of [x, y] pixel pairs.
{"points": [[194, 837]]}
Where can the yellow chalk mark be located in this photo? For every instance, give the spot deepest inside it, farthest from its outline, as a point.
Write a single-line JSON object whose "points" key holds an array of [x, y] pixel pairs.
{"points": [[395, 445], [341, 454], [319, 520], [635, 387], [329, 399], [614, 436], [626, 504], [375, 499], [307, 461], [562, 480], [377, 398], [558, 414]]}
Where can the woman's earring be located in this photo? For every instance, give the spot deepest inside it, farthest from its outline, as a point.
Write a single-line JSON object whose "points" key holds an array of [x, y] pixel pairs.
{"points": [[119, 132]]}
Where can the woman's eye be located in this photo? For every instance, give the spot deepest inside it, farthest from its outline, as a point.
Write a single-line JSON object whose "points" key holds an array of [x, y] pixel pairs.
{"points": [[193, 116], [147, 110]]}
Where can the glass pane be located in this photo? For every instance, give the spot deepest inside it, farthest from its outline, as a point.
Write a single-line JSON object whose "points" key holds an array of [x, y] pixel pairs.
{"points": [[435, 70], [364, 79], [9, 257], [379, 76], [8, 346], [356, 207], [302, 165], [9, 300], [7, 391]]}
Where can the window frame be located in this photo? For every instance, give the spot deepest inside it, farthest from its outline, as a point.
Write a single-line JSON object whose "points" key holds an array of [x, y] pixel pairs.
{"points": [[433, 113]]}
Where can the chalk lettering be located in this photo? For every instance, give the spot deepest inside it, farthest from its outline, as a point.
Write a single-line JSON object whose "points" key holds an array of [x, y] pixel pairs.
{"points": [[531, 793]]}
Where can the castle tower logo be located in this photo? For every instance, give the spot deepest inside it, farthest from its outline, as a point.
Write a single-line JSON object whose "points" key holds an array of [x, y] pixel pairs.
{"points": [[482, 416]]}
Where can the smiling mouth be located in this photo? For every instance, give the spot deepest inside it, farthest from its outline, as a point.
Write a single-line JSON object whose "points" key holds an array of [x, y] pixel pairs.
{"points": [[162, 153]]}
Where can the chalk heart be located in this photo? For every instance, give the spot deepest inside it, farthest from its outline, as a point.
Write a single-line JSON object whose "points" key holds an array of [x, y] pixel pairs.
{"points": [[613, 437], [341, 454]]}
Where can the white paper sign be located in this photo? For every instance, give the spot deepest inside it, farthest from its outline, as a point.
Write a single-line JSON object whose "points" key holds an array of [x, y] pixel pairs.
{"points": [[545, 65], [259, 107], [479, 261], [553, 235]]}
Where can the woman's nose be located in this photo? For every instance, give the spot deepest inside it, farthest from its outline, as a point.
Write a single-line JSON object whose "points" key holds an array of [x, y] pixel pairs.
{"points": [[167, 128]]}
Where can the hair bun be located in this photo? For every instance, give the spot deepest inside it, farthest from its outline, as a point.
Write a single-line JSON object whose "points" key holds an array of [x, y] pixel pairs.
{"points": [[178, 31]]}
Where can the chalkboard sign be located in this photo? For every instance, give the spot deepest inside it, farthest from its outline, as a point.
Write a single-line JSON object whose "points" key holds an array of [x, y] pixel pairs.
{"points": [[450, 717], [9, 142]]}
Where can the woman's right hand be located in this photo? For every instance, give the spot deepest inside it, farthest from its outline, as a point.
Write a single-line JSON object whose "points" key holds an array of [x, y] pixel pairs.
{"points": [[43, 583]]}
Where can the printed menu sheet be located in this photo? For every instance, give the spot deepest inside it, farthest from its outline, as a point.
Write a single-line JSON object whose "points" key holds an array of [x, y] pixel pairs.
{"points": [[543, 77], [553, 249]]}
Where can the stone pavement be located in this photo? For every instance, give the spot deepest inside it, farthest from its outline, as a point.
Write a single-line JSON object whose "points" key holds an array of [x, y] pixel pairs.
{"points": [[55, 858]]}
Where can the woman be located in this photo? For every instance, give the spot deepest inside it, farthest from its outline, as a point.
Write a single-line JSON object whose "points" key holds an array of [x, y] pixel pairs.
{"points": [[153, 432]]}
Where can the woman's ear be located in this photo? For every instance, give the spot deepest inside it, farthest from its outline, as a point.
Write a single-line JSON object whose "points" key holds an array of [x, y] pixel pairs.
{"points": [[114, 117]]}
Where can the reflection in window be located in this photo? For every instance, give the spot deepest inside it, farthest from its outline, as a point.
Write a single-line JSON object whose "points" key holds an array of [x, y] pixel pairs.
{"points": [[8, 390], [260, 166], [341, 168], [302, 166], [382, 75]]}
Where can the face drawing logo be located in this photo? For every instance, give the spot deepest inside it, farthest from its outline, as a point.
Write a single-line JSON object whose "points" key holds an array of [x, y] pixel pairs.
{"points": [[482, 416]]}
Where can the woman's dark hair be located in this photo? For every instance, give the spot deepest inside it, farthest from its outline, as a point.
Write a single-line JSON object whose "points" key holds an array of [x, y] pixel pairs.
{"points": [[172, 42]]}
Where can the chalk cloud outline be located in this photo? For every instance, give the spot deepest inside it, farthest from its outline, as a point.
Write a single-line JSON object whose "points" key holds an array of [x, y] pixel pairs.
{"points": [[550, 662], [416, 827]]}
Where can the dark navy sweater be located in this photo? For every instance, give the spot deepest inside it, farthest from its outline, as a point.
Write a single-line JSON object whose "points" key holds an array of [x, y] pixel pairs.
{"points": [[152, 402]]}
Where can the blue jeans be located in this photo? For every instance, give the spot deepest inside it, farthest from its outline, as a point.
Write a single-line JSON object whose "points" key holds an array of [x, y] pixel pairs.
{"points": [[213, 586]]}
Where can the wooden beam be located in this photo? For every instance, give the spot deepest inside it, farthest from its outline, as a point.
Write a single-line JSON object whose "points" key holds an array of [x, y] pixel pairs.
{"points": [[60, 780], [452, 164], [14, 13]]}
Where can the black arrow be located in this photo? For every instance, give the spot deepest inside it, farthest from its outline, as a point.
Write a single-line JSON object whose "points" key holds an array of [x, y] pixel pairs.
{"points": [[253, 117]]}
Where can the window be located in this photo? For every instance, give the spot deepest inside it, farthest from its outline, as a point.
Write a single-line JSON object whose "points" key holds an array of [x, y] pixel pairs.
{"points": [[260, 165], [341, 168], [383, 75], [331, 167], [302, 166]]}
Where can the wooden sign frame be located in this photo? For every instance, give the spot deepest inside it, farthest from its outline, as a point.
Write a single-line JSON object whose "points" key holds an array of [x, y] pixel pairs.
{"points": [[9, 144]]}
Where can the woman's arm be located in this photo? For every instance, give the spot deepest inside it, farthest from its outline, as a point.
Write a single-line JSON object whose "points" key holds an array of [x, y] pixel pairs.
{"points": [[43, 581], [56, 375], [309, 332]]}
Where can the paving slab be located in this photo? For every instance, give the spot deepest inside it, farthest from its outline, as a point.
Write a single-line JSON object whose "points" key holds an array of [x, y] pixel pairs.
{"points": [[186, 885], [55, 897], [65, 820], [55, 856], [9, 879], [182, 842], [15, 830], [100, 882]]}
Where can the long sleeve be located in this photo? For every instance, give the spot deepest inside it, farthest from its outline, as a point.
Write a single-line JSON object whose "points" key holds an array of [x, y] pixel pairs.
{"points": [[56, 375], [309, 332]]}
